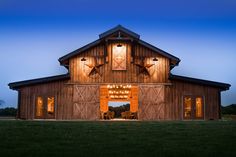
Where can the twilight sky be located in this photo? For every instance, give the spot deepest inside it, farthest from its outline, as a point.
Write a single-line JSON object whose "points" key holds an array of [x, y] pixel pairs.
{"points": [[34, 34]]}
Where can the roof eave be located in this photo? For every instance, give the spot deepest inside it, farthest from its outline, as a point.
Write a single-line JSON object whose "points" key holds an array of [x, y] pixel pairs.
{"points": [[19, 84], [78, 51], [222, 86], [173, 58]]}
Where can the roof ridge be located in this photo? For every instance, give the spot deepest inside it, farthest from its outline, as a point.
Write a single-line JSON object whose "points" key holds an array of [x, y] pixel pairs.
{"points": [[121, 28]]}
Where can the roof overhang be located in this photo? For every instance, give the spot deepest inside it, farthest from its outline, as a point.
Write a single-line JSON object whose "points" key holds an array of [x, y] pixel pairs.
{"points": [[221, 86], [64, 60], [20, 84]]}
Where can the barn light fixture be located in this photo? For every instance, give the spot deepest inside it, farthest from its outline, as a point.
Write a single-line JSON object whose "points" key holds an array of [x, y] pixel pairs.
{"points": [[155, 59], [119, 45], [83, 59]]}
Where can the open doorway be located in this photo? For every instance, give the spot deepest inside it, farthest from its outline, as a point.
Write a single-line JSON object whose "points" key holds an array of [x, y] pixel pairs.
{"points": [[120, 109], [118, 102]]}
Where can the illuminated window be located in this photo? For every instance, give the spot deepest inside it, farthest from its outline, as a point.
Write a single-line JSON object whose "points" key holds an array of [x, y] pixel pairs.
{"points": [[50, 105], [193, 107], [187, 107], [39, 107], [199, 107]]}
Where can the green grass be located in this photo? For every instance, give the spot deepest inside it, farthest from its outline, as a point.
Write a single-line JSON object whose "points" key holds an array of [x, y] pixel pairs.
{"points": [[117, 139]]}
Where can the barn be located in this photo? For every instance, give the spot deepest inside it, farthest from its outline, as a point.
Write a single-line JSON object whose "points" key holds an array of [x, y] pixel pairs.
{"points": [[119, 67]]}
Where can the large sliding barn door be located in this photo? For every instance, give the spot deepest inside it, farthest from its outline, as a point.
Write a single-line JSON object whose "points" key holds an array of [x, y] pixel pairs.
{"points": [[151, 102], [86, 102]]}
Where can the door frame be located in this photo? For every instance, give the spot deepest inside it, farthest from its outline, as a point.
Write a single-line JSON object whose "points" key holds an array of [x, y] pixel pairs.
{"points": [[193, 107], [35, 107], [45, 106]]}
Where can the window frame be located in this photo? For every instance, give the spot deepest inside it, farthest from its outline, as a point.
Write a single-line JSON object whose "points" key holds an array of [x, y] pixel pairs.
{"points": [[193, 107]]}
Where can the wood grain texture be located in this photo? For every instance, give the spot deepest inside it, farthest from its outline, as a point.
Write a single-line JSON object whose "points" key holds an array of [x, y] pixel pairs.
{"points": [[175, 93], [57, 89], [86, 102], [79, 74], [151, 102], [83, 97]]}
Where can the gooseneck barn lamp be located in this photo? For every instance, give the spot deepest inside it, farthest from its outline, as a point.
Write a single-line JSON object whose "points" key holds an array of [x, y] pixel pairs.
{"points": [[83, 59], [119, 45], [155, 59]]}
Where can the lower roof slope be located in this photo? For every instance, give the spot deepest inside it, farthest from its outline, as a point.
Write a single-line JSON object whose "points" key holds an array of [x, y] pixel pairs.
{"points": [[17, 85], [222, 86]]}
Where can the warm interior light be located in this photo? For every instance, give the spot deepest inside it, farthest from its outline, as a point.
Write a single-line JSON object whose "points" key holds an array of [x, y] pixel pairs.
{"points": [[83, 59], [119, 91], [51, 104]]}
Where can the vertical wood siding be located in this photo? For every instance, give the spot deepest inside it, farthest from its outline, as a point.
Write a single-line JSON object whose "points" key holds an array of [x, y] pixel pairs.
{"points": [[78, 74], [151, 102], [79, 98], [174, 99], [63, 99]]}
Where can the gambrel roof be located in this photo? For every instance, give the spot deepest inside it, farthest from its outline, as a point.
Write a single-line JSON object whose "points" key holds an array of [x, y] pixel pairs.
{"points": [[64, 59]]}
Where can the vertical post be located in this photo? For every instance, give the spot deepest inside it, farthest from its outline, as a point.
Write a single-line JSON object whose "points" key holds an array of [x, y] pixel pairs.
{"points": [[105, 52], [219, 104], [132, 52], [18, 105]]}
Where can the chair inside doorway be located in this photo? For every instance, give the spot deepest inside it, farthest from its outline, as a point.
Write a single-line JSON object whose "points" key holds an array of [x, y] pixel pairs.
{"points": [[118, 102]]}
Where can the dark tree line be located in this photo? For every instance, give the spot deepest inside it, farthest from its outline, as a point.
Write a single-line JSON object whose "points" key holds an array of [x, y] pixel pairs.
{"points": [[118, 110], [231, 109], [8, 111]]}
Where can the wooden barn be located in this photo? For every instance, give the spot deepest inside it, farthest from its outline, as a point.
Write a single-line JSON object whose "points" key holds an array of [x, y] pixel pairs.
{"points": [[119, 67]]}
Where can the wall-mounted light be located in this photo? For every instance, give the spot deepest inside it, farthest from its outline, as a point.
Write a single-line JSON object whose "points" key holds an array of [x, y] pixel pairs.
{"points": [[83, 59], [155, 59], [119, 45]]}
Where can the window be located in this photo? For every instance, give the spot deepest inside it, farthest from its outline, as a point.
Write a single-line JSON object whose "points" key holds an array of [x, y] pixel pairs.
{"points": [[51, 104], [187, 107], [39, 107], [45, 107], [199, 107], [193, 107]]}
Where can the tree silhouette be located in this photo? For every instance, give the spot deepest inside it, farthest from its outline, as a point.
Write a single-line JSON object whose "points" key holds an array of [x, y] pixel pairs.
{"points": [[119, 109]]}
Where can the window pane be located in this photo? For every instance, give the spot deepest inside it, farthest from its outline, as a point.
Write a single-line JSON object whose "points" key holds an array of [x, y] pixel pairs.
{"points": [[51, 103], [199, 107], [187, 107], [39, 107]]}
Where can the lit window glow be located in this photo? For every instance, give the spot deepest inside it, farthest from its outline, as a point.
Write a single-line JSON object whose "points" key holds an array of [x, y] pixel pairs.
{"points": [[51, 104]]}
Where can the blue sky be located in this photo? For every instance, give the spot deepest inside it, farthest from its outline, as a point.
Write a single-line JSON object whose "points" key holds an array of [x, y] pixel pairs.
{"points": [[34, 34]]}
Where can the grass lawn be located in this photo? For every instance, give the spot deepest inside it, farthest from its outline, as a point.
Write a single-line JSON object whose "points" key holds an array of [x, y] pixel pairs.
{"points": [[117, 139]]}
